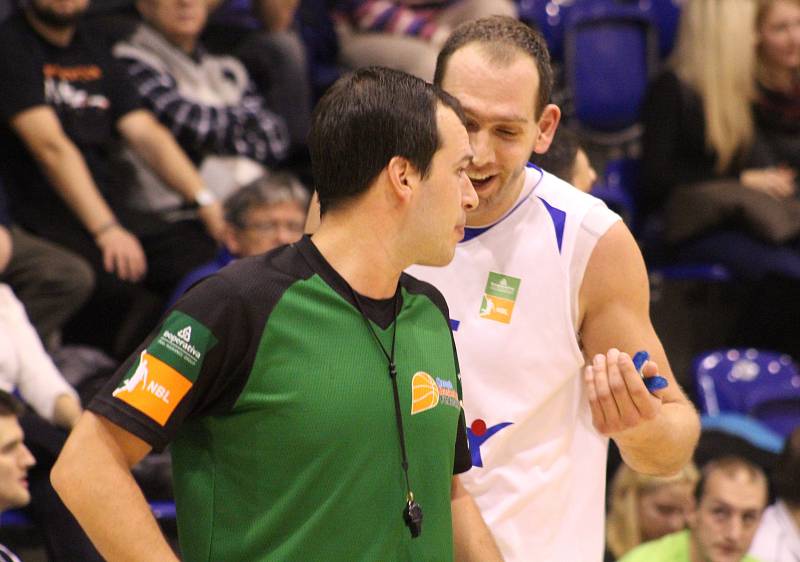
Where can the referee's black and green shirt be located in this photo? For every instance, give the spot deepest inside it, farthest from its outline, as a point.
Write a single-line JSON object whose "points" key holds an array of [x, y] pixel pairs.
{"points": [[278, 406]]}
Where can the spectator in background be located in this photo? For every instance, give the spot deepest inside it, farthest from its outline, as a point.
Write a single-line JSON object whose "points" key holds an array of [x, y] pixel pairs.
{"points": [[778, 74], [405, 34], [207, 101], [15, 461], [724, 196], [644, 508], [778, 536], [50, 281], [700, 156], [26, 368], [63, 103], [729, 500], [566, 159], [261, 33], [263, 215]]}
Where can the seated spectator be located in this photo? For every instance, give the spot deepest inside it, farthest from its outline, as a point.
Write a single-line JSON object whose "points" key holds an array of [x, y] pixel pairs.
{"points": [[262, 34], [778, 74], [51, 282], [26, 368], [263, 215], [643, 508], [778, 536], [207, 101], [405, 34], [729, 500], [63, 103], [15, 461], [724, 199], [566, 159]]}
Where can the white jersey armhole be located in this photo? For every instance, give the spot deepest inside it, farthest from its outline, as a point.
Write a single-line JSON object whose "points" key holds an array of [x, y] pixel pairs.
{"points": [[595, 224]]}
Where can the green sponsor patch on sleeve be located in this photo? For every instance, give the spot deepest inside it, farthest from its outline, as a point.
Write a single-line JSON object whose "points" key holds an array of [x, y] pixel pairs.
{"points": [[182, 343]]}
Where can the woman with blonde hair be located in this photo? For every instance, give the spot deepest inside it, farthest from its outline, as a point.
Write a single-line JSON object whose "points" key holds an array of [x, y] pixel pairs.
{"points": [[778, 74], [723, 196], [643, 508]]}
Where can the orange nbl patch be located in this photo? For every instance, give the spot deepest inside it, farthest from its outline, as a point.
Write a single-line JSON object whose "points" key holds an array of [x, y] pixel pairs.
{"points": [[424, 392], [496, 308], [154, 388]]}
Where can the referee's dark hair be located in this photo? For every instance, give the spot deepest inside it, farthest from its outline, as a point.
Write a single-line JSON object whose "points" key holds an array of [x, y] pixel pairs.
{"points": [[363, 121]]}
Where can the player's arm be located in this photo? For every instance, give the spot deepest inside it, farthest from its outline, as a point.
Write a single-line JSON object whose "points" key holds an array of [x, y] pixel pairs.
{"points": [[93, 478], [656, 433], [471, 537], [159, 149]]}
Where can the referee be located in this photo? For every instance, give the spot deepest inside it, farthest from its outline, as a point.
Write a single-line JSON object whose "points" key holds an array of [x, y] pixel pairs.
{"points": [[310, 395]]}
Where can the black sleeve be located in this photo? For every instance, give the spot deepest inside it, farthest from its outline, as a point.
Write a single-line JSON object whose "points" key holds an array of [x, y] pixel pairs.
{"points": [[121, 90], [195, 363], [21, 78], [463, 459]]}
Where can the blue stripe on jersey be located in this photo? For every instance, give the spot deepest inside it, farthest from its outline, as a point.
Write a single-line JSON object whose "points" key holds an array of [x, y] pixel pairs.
{"points": [[559, 219], [454, 324]]}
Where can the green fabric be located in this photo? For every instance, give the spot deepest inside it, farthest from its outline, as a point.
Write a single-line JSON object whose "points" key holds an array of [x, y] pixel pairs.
{"points": [[670, 548], [317, 409]]}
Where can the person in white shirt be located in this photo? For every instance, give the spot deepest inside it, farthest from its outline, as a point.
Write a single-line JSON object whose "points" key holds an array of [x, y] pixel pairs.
{"points": [[778, 535], [548, 297]]}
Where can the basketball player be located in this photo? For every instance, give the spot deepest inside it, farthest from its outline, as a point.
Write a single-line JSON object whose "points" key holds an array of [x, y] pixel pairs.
{"points": [[546, 280]]}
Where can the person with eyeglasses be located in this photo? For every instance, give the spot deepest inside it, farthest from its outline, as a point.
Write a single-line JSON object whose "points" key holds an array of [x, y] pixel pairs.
{"points": [[262, 215]]}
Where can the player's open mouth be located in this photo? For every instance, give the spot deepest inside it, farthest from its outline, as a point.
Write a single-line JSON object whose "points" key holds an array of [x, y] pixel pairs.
{"points": [[479, 181]]}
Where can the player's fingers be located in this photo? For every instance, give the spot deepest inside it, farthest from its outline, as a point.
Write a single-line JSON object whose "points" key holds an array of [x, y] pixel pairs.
{"points": [[604, 394], [628, 413], [639, 403], [598, 417]]}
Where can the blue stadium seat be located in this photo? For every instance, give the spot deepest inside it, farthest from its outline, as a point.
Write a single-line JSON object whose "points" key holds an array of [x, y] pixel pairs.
{"points": [[547, 16], [666, 14], [761, 385], [610, 53]]}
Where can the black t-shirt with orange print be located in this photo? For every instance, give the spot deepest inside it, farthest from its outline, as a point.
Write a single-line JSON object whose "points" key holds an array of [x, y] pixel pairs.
{"points": [[89, 93]]}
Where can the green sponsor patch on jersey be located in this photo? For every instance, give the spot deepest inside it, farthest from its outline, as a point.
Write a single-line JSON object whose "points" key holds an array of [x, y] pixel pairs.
{"points": [[502, 286], [182, 342]]}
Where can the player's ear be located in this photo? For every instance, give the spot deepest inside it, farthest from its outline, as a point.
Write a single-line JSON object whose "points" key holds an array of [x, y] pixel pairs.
{"points": [[403, 177], [548, 123]]}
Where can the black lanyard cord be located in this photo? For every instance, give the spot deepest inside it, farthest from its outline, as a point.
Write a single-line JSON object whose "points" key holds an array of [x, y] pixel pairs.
{"points": [[412, 513], [393, 376]]}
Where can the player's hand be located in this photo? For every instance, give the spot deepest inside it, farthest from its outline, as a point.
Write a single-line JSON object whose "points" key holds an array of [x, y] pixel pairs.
{"points": [[213, 218], [122, 254], [618, 397]]}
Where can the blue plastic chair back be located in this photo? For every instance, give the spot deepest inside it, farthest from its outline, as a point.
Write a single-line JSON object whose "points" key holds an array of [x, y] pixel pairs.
{"points": [[548, 17], [761, 384], [610, 53], [666, 14]]}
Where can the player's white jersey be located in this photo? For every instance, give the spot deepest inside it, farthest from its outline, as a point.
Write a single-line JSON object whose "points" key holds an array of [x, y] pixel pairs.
{"points": [[539, 465]]}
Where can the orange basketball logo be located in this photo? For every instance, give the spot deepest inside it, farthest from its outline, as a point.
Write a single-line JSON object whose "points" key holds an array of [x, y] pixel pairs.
{"points": [[424, 392]]}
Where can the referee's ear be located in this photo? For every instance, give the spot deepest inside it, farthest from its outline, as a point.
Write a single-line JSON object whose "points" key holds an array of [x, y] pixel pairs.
{"points": [[402, 178]]}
